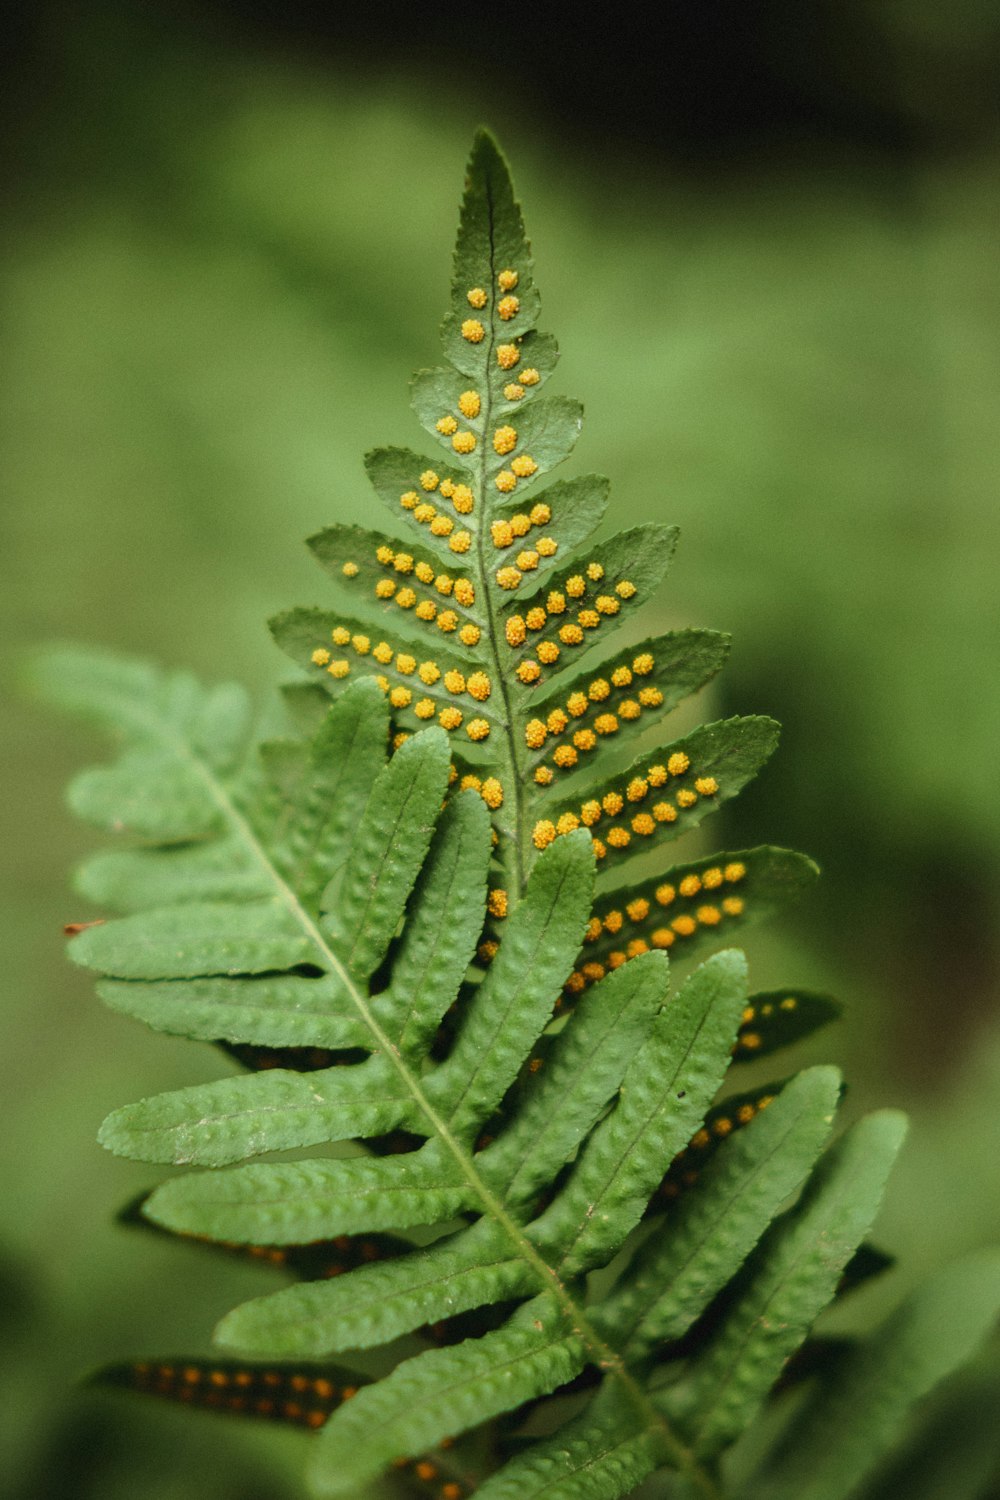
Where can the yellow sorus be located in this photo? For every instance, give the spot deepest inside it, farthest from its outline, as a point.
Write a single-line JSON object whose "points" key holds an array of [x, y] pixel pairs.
{"points": [[621, 677], [383, 653], [576, 586], [656, 775], [496, 903], [529, 671], [690, 885], [736, 870], [444, 583], [593, 972], [606, 724], [576, 704], [619, 838], [429, 672], [555, 603], [507, 280], [403, 562], [650, 697], [505, 481], [447, 487], [477, 729], [515, 631], [606, 605], [464, 442], [361, 644], [564, 757], [629, 709], [684, 926], [544, 776], [636, 947], [709, 916], [665, 894], [546, 546], [636, 789], [470, 784], [508, 307], [662, 938], [535, 734], [469, 404], [350, 570], [711, 879], [383, 682], [543, 834], [446, 425], [461, 541], [406, 598], [501, 533], [595, 572], [557, 721], [406, 664], [454, 681], [643, 664], [706, 786], [665, 812], [409, 500], [535, 618], [424, 572], [399, 740], [530, 377], [567, 823], [590, 812], [426, 610], [524, 466], [644, 824], [339, 668], [625, 589], [548, 652], [339, 635], [540, 514], [508, 578], [492, 793], [429, 480], [462, 500], [385, 588], [570, 635], [400, 697], [504, 440], [479, 686], [450, 718], [424, 708], [473, 331], [320, 656], [508, 356], [686, 798], [384, 555], [612, 802], [638, 910], [447, 621], [722, 1126], [424, 513], [598, 690], [513, 391], [476, 297], [585, 739], [442, 526], [678, 763], [527, 561], [469, 635], [465, 593], [487, 951], [589, 619], [733, 906]]}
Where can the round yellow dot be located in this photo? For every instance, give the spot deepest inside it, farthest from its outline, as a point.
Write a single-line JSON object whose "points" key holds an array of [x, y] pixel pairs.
{"points": [[504, 440], [706, 786], [476, 297], [507, 280], [515, 631], [460, 542], [523, 466], [508, 578], [350, 570], [508, 356], [477, 729], [543, 834], [462, 500], [320, 656], [429, 480], [513, 391], [678, 763], [446, 425], [469, 404], [505, 481], [508, 307], [473, 331]]}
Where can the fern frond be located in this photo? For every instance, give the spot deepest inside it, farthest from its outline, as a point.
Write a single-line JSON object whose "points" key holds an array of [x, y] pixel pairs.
{"points": [[390, 918]]}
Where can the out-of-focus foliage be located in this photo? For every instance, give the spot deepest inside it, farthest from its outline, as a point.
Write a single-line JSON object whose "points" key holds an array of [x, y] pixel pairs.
{"points": [[206, 317]]}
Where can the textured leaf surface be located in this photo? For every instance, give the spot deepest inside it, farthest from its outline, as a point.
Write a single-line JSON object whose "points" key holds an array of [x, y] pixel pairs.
{"points": [[444, 1391], [854, 1419], [200, 938]]}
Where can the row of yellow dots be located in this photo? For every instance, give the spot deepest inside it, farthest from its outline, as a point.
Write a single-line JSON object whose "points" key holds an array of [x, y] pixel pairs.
{"points": [[723, 1125], [477, 684], [580, 703], [234, 1389], [426, 609], [507, 306], [661, 938], [506, 532], [428, 1472], [489, 788], [613, 804], [638, 909], [575, 587], [750, 1041], [426, 512]]}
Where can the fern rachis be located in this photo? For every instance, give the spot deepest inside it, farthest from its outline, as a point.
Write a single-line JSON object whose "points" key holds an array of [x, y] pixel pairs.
{"points": [[395, 928]]}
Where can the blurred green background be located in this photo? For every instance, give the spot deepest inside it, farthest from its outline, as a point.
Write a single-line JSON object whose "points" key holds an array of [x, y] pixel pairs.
{"points": [[763, 239]]}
